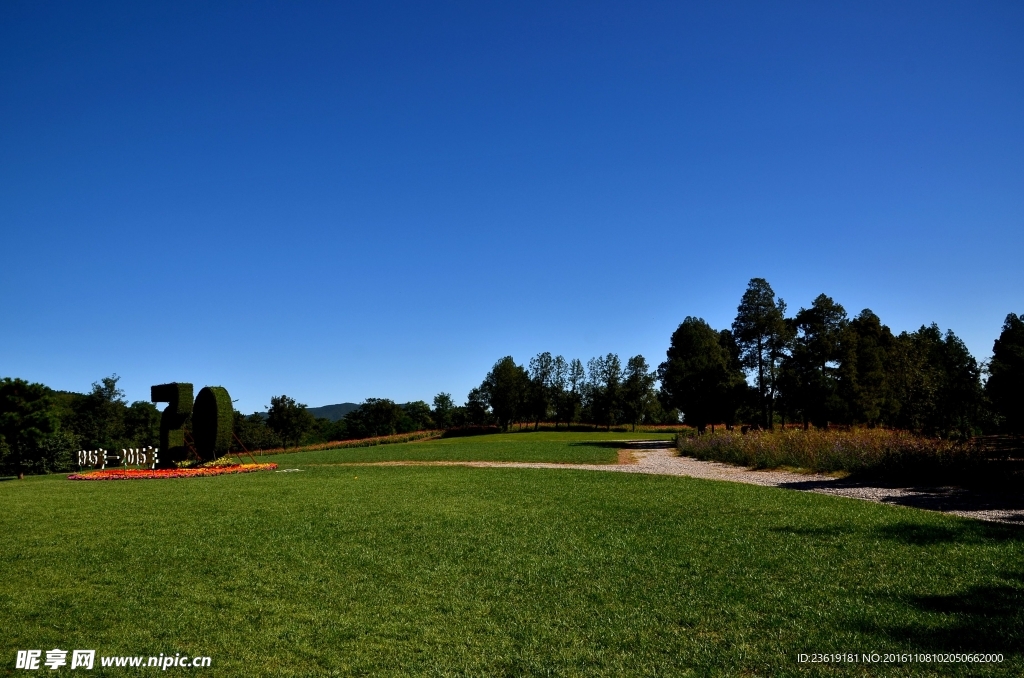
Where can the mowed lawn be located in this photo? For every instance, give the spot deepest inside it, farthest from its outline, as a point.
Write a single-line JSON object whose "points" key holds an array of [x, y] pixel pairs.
{"points": [[540, 446], [339, 570]]}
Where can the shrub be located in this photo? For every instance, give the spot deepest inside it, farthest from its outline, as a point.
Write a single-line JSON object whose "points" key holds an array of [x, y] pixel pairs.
{"points": [[882, 451]]}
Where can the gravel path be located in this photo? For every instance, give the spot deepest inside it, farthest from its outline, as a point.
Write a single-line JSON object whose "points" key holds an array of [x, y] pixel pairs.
{"points": [[1002, 508]]}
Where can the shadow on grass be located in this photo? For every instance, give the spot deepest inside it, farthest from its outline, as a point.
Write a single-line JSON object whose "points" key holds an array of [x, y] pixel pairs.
{"points": [[916, 534], [987, 618], [926, 497]]}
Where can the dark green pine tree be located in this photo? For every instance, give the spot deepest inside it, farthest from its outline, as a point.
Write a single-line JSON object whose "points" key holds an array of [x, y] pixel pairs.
{"points": [[1005, 386], [762, 335], [815, 359], [26, 419], [863, 384]]}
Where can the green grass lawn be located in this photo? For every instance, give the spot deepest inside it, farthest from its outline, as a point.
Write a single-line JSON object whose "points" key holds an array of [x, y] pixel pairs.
{"points": [[460, 571], [545, 446]]}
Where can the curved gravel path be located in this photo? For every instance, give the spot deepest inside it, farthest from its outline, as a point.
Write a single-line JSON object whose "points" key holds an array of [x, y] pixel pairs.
{"points": [[1002, 508]]}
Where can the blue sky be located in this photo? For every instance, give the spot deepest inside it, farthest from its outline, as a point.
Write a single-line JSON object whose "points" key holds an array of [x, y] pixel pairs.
{"points": [[339, 201]]}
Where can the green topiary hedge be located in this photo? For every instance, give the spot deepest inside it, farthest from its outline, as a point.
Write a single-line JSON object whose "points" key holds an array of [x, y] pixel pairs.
{"points": [[178, 395], [212, 422]]}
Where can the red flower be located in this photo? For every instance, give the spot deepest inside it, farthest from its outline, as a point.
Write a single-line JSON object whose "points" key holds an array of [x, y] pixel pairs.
{"points": [[150, 474]]}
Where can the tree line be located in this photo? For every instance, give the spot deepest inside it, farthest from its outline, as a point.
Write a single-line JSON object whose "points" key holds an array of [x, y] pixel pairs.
{"points": [[819, 367], [41, 429], [816, 367], [288, 423], [565, 392]]}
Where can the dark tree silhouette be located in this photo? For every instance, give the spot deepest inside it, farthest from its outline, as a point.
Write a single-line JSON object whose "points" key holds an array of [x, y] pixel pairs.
{"points": [[1005, 386], [288, 419], [762, 335], [506, 389]]}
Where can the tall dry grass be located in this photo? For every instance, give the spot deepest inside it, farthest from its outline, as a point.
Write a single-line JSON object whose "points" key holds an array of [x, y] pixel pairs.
{"points": [[877, 450]]}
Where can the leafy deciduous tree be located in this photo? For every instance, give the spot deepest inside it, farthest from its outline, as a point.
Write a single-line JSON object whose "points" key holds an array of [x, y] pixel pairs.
{"points": [[700, 376], [604, 385], [477, 411], [542, 367], [506, 389], [444, 409], [288, 419], [637, 390], [571, 401], [415, 416]]}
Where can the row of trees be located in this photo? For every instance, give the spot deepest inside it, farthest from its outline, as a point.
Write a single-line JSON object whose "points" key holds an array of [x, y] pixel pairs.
{"points": [[819, 366], [815, 367], [288, 423], [554, 389], [549, 389], [40, 428]]}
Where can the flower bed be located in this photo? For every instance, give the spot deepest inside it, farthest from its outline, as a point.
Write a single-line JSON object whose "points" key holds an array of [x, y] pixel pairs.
{"points": [[151, 474]]}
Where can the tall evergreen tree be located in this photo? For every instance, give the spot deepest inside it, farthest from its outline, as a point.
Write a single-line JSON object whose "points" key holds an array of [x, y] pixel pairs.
{"points": [[736, 390], [863, 380], [960, 397], [813, 363], [26, 419], [1005, 385], [934, 383], [99, 416], [762, 335]]}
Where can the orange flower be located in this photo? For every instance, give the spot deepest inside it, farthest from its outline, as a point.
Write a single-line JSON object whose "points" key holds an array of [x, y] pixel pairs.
{"points": [[152, 474]]}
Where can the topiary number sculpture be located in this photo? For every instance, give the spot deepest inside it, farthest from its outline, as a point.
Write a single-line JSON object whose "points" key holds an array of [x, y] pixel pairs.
{"points": [[172, 421], [213, 421], [212, 417]]}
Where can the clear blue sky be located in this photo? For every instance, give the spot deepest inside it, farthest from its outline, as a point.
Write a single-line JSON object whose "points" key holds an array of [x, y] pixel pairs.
{"points": [[336, 202]]}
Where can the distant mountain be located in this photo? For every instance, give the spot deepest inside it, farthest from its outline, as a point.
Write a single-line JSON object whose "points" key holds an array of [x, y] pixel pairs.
{"points": [[332, 412]]}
